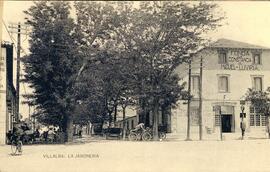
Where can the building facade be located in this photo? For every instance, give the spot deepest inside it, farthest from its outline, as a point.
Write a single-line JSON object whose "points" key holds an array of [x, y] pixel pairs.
{"points": [[229, 68], [7, 92], [130, 122]]}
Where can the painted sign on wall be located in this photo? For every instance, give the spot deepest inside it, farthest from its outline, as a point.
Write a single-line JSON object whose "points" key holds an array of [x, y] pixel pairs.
{"points": [[3, 70], [240, 59]]}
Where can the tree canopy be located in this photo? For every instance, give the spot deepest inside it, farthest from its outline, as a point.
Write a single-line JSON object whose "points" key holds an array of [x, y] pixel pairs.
{"points": [[260, 101], [113, 53], [52, 62]]}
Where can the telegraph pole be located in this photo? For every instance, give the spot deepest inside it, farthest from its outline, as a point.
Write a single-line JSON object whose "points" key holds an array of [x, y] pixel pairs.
{"points": [[200, 101], [18, 70], [188, 105], [18, 29]]}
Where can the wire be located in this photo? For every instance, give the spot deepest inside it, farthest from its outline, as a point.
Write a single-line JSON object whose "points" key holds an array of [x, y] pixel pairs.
{"points": [[13, 41], [12, 38], [9, 34]]}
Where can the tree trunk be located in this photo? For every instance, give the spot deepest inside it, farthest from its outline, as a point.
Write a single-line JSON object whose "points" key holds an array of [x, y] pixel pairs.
{"points": [[155, 120], [115, 114], [144, 118], [143, 113], [69, 129], [110, 118], [88, 128], [124, 123], [163, 114], [92, 130]]}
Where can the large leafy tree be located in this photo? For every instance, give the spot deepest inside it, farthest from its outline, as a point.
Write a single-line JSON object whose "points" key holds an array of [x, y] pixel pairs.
{"points": [[160, 36], [52, 63], [122, 52], [101, 50], [155, 38], [260, 100]]}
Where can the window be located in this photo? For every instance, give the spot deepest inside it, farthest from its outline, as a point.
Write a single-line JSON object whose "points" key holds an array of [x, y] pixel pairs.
{"points": [[251, 120], [222, 58], [257, 58], [256, 118], [194, 111], [195, 83], [257, 83], [263, 120], [223, 84]]}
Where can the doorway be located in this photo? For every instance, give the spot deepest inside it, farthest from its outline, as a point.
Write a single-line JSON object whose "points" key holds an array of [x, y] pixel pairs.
{"points": [[227, 123]]}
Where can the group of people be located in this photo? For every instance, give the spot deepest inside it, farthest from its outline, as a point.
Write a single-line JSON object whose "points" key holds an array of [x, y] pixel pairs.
{"points": [[49, 134], [26, 135]]}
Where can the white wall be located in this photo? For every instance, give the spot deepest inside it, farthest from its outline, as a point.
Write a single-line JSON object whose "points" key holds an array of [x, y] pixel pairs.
{"points": [[239, 82], [3, 95]]}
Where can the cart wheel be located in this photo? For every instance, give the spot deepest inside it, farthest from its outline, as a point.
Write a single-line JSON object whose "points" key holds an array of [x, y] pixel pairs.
{"points": [[146, 136], [132, 136]]}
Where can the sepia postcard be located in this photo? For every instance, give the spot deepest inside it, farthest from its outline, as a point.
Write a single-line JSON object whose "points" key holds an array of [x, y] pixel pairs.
{"points": [[134, 86]]}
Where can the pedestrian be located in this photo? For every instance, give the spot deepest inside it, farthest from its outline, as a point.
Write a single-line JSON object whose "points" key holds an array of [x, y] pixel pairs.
{"points": [[45, 133], [80, 131], [243, 128], [51, 135]]}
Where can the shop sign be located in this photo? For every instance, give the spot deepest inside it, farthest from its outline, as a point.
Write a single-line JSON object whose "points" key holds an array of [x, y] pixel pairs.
{"points": [[239, 59]]}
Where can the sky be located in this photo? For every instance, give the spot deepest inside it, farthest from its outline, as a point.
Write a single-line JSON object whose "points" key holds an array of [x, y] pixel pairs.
{"points": [[246, 21]]}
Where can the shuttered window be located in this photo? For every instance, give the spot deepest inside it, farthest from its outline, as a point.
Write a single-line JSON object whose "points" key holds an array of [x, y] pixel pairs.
{"points": [[257, 58], [195, 83], [223, 84], [194, 115], [222, 58], [257, 83]]}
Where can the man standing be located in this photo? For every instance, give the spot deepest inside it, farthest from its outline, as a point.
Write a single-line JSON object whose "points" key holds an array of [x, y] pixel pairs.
{"points": [[243, 128]]}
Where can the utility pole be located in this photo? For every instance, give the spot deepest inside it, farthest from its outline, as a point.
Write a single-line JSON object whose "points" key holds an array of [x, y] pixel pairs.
{"points": [[19, 29], [18, 70], [200, 100], [188, 105]]}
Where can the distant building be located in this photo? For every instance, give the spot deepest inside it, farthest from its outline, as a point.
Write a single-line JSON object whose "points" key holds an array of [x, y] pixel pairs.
{"points": [[229, 69], [7, 92], [135, 116], [130, 122]]}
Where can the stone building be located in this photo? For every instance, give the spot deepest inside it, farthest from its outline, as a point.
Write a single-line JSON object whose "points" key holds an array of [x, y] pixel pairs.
{"points": [[229, 68]]}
